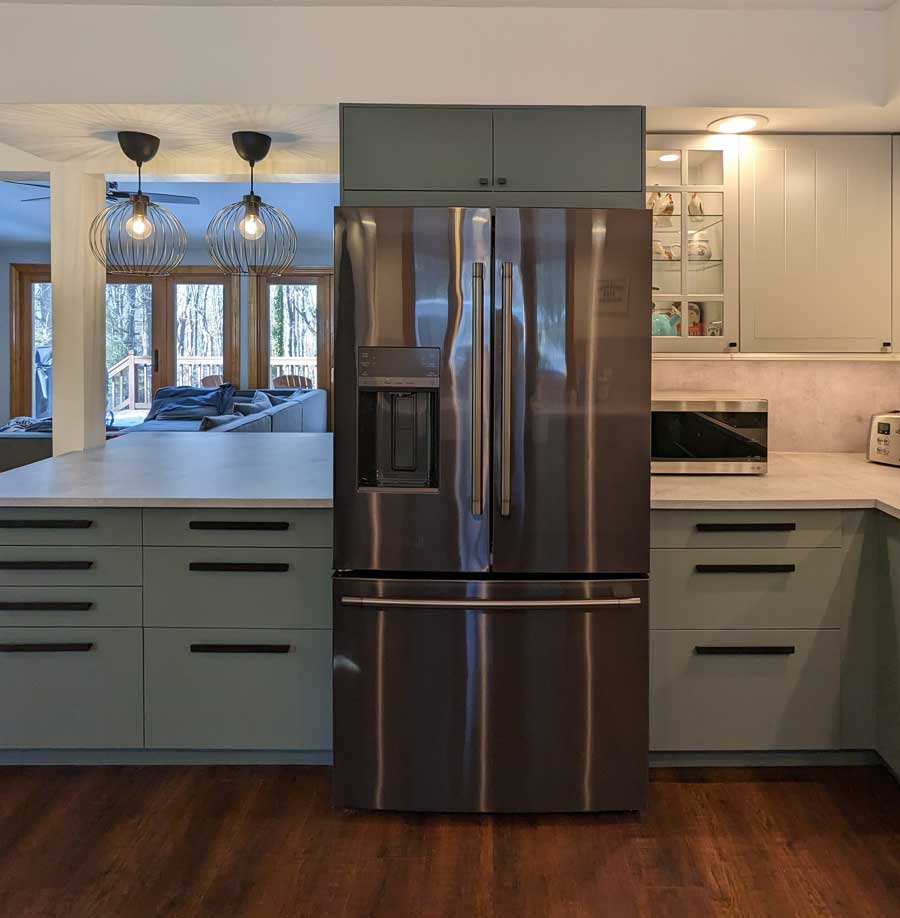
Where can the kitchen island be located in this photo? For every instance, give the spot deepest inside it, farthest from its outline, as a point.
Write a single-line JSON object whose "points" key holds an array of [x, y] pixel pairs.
{"points": [[183, 581]]}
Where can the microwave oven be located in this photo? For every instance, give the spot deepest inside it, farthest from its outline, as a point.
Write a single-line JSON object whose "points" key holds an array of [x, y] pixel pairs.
{"points": [[709, 434]]}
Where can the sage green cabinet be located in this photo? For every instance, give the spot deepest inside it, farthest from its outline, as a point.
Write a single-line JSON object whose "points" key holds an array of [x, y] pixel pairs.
{"points": [[511, 156], [889, 651]]}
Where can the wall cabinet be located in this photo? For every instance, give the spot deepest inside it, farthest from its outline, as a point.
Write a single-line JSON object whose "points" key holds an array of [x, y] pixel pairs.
{"points": [[815, 244], [516, 156], [692, 189]]}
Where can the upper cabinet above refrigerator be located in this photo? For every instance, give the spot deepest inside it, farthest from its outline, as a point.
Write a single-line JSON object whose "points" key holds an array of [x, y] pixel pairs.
{"points": [[692, 189], [512, 156]]}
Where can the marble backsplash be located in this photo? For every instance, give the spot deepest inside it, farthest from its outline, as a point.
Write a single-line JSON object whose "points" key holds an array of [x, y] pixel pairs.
{"points": [[815, 406]]}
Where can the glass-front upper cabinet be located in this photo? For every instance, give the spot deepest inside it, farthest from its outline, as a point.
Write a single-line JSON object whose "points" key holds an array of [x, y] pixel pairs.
{"points": [[692, 191]]}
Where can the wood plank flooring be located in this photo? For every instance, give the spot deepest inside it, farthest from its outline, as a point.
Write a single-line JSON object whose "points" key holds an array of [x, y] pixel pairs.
{"points": [[263, 842]]}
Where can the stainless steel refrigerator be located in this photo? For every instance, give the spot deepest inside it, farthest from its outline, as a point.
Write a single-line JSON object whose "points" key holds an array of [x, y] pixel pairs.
{"points": [[492, 460]]}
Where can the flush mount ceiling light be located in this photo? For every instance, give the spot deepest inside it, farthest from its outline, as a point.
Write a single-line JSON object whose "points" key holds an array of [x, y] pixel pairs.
{"points": [[737, 124], [251, 237], [136, 235], [669, 157]]}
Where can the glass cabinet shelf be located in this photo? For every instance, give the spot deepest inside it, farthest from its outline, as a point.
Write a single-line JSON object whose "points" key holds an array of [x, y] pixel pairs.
{"points": [[690, 192]]}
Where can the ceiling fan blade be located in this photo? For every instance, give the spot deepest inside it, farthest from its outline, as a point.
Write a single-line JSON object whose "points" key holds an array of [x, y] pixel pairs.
{"points": [[45, 186], [156, 198], [46, 197], [173, 198]]}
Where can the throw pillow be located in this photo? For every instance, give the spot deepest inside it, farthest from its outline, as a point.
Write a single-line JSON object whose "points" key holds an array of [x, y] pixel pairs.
{"points": [[218, 400], [259, 402], [210, 422]]}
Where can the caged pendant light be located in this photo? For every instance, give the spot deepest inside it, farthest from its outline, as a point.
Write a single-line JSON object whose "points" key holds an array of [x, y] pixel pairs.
{"points": [[135, 235], [251, 237]]}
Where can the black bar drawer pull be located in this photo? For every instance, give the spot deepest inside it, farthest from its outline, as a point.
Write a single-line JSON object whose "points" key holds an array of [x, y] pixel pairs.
{"points": [[49, 647], [46, 565], [240, 566], [776, 650], [238, 526], [746, 527], [46, 524], [240, 648], [45, 606], [745, 568]]}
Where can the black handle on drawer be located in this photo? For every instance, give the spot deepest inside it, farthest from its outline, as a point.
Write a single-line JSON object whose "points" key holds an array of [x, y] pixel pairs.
{"points": [[45, 606], [238, 526], [745, 568], [746, 527], [49, 647], [46, 565], [46, 524], [240, 648], [746, 650], [267, 567]]}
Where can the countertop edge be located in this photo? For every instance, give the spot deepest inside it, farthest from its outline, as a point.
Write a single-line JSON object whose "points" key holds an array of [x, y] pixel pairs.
{"points": [[285, 503]]}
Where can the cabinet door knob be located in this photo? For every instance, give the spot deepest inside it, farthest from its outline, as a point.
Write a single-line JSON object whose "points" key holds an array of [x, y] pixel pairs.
{"points": [[501, 181], [484, 181]]}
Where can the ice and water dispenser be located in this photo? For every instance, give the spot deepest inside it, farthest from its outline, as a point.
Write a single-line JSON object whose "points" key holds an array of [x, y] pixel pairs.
{"points": [[399, 405]]}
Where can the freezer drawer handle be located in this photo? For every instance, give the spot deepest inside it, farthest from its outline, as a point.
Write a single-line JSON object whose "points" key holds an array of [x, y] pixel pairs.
{"points": [[240, 648], [490, 603], [477, 385], [240, 566], [50, 647], [239, 526], [46, 524], [776, 650], [746, 527], [45, 606], [506, 283], [46, 565], [745, 568]]}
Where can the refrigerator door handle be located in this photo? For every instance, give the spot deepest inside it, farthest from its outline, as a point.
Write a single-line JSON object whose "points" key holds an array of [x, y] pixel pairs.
{"points": [[506, 284], [477, 386], [490, 603]]}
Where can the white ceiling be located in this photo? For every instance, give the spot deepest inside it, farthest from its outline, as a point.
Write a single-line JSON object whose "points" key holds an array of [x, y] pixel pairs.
{"points": [[599, 4]]}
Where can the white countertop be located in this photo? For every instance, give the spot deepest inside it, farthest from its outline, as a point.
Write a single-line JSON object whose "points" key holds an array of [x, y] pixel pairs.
{"points": [[295, 470], [181, 470], [805, 481]]}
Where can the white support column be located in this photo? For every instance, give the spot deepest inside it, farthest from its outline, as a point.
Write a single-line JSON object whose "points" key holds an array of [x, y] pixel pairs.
{"points": [[79, 311]]}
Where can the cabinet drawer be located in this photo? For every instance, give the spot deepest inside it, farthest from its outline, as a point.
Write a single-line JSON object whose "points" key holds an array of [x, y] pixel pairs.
{"points": [[73, 606], [238, 587], [754, 690], [68, 565], [263, 528], [746, 588], [69, 526], [68, 688], [238, 688], [745, 529]]}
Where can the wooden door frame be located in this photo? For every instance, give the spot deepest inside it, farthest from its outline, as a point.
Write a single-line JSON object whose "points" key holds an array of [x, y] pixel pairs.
{"points": [[22, 276], [258, 324], [231, 353], [21, 340]]}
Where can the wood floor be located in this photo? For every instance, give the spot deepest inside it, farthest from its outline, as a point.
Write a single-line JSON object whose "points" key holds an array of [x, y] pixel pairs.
{"points": [[233, 842]]}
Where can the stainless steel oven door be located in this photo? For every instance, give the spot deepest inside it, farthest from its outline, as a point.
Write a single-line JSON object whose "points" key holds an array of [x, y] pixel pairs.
{"points": [[490, 696]]}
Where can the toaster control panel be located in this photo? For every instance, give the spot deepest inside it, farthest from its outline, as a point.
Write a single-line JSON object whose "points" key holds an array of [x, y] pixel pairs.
{"points": [[884, 439]]}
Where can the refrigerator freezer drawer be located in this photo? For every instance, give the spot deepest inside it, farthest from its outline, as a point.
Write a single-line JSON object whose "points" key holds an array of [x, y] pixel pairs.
{"points": [[490, 696]]}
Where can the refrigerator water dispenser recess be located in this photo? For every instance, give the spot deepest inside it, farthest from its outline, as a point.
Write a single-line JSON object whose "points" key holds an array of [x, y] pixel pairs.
{"points": [[398, 390]]}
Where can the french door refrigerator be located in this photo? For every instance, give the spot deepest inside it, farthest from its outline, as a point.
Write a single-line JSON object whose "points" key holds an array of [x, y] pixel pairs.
{"points": [[491, 494]]}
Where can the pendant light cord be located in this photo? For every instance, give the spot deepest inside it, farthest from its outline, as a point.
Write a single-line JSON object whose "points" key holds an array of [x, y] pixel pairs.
{"points": [[139, 178], [251, 177]]}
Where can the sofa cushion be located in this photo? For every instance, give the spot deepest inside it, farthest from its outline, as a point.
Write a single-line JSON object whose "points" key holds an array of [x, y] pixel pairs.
{"points": [[217, 420], [189, 399], [259, 402], [251, 423]]}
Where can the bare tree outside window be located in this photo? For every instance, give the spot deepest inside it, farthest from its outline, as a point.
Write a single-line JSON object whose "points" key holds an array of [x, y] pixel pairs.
{"points": [[129, 347], [199, 332], [293, 329]]}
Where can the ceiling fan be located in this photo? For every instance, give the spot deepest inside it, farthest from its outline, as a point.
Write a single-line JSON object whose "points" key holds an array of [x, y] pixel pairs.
{"points": [[112, 194]]}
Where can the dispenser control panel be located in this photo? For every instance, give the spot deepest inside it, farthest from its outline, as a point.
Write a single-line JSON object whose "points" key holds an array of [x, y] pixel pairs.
{"points": [[399, 367]]}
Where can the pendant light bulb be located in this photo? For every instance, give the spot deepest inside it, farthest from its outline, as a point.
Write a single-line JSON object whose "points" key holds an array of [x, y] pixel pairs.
{"points": [[137, 225], [251, 227]]}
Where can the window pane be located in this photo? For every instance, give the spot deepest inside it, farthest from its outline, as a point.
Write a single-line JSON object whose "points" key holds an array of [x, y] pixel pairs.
{"points": [[293, 332], [663, 167], [705, 167], [665, 320], [199, 333], [706, 320], [129, 354], [42, 336]]}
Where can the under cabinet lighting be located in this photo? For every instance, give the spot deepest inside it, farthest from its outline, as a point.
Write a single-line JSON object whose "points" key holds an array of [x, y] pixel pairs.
{"points": [[669, 158]]}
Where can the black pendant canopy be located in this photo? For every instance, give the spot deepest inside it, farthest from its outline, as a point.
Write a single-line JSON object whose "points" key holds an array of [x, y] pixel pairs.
{"points": [[136, 235], [250, 236]]}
